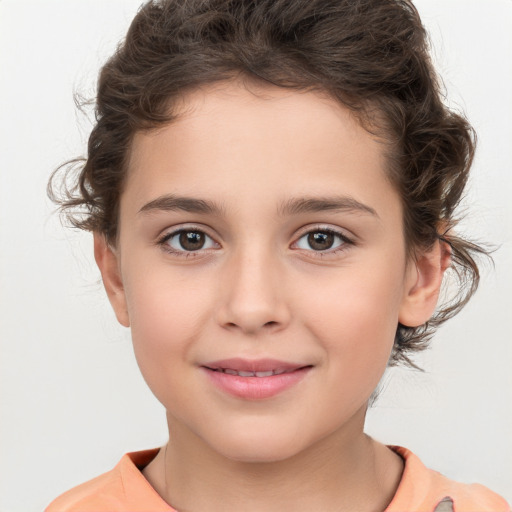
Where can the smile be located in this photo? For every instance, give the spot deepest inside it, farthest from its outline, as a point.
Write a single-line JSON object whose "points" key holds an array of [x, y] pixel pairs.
{"points": [[256, 379], [241, 373]]}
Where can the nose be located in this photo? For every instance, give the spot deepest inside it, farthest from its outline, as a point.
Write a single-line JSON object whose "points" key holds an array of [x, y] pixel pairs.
{"points": [[252, 290]]}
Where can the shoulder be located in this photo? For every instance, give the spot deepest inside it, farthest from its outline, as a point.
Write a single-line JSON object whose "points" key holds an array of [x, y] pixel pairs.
{"points": [[96, 494], [425, 490], [121, 489]]}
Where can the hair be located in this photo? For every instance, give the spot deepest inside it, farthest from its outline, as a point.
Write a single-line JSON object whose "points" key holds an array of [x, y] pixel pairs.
{"points": [[371, 56]]}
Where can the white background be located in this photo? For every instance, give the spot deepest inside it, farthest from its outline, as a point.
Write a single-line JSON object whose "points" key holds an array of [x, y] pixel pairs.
{"points": [[72, 398]]}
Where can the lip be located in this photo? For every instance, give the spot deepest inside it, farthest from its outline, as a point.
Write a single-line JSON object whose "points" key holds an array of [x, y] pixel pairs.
{"points": [[254, 365], [254, 388]]}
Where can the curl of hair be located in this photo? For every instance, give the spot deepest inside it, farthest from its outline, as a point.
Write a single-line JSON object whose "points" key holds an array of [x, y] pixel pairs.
{"points": [[370, 55]]}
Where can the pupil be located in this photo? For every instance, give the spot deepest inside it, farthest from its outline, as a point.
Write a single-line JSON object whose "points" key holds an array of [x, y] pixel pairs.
{"points": [[191, 240], [320, 240]]}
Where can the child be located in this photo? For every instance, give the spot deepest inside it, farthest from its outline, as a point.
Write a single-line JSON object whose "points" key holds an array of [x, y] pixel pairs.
{"points": [[271, 186]]}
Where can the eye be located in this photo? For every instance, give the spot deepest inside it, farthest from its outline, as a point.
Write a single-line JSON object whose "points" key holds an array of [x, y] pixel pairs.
{"points": [[324, 240], [186, 241]]}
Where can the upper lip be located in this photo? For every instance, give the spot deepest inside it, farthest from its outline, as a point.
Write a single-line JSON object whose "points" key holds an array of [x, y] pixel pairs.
{"points": [[254, 365]]}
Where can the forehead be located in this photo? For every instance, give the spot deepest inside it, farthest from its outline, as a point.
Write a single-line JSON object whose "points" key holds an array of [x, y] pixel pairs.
{"points": [[254, 104], [276, 140]]}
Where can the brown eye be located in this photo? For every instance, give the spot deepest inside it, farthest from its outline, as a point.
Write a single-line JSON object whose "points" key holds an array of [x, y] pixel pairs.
{"points": [[320, 240], [324, 242], [186, 241], [191, 240]]}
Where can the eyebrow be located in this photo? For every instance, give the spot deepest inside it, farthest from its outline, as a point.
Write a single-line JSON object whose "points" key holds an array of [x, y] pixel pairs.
{"points": [[173, 202], [299, 205], [290, 207]]}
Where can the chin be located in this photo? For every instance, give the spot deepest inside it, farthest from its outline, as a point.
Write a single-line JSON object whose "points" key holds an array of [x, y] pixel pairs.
{"points": [[253, 455], [259, 447]]}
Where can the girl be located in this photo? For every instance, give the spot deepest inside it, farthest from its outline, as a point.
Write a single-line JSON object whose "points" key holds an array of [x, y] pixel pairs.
{"points": [[272, 188]]}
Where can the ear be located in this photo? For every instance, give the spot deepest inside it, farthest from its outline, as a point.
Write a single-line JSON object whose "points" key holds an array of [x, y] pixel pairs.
{"points": [[423, 282], [108, 263]]}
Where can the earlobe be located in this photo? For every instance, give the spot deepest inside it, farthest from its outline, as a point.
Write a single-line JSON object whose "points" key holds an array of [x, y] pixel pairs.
{"points": [[423, 283], [108, 263]]}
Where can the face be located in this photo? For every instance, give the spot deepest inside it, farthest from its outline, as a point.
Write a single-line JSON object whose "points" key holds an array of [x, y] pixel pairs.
{"points": [[288, 255]]}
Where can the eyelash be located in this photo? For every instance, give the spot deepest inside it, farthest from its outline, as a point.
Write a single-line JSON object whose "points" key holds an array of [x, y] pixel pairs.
{"points": [[163, 241]]}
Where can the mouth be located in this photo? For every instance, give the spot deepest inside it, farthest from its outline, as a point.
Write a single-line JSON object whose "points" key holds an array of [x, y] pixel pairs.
{"points": [[253, 368], [241, 373], [254, 379]]}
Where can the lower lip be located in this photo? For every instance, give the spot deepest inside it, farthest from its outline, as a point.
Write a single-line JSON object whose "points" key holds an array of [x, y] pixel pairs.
{"points": [[255, 388]]}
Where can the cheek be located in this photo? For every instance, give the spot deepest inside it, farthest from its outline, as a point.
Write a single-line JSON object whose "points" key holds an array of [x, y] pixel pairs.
{"points": [[359, 317], [165, 319], [164, 304]]}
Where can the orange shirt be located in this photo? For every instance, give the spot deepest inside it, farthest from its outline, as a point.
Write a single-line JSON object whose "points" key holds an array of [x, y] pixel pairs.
{"points": [[124, 489]]}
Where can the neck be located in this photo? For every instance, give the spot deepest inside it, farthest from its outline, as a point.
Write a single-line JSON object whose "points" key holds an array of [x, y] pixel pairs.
{"points": [[346, 471]]}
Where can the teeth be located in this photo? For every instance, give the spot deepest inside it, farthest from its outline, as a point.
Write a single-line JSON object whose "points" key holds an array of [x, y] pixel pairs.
{"points": [[240, 373], [264, 374]]}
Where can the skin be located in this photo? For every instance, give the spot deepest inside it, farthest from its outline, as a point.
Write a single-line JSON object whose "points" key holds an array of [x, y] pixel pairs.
{"points": [[259, 289]]}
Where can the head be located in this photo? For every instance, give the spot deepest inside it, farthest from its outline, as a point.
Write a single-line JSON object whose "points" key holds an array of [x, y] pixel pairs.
{"points": [[207, 99]]}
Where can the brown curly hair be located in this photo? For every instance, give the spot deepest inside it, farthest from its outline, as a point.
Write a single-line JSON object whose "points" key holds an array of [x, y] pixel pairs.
{"points": [[370, 55]]}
